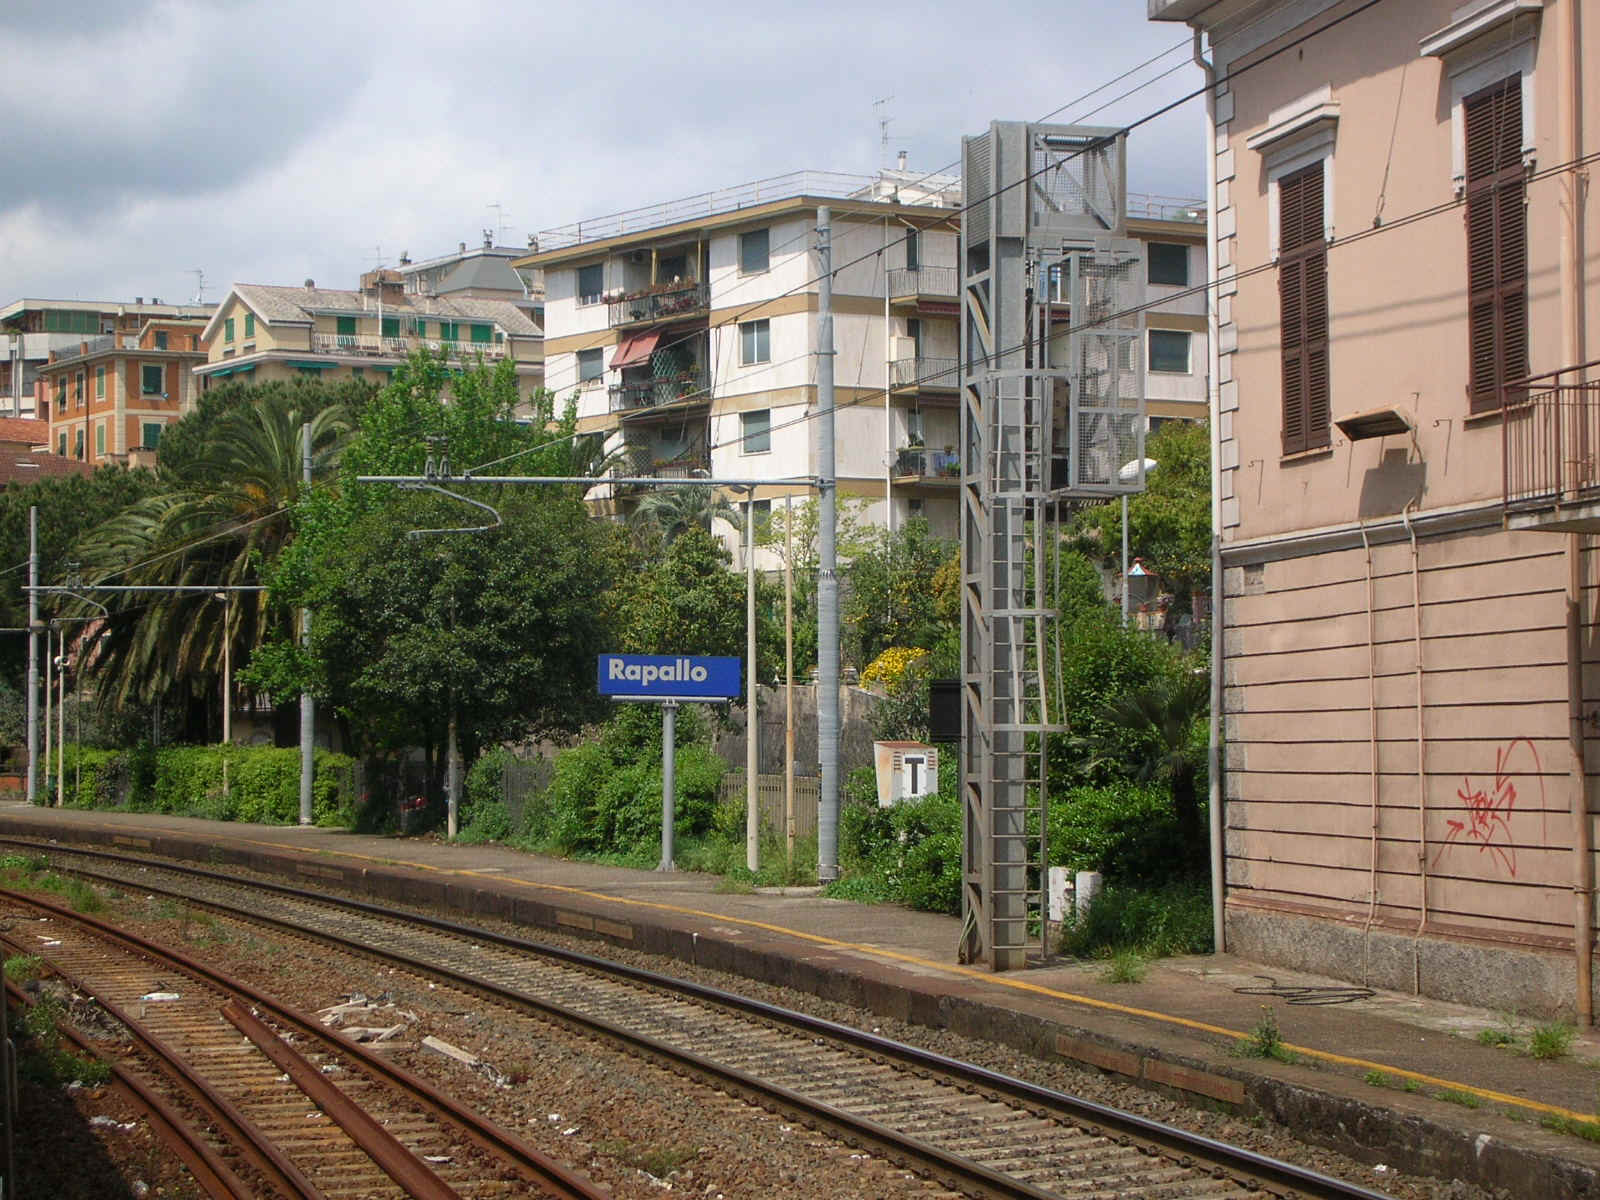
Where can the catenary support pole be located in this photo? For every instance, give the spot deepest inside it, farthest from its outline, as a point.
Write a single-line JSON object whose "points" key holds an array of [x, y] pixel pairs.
{"points": [[827, 576], [33, 654], [752, 723], [452, 776], [788, 678], [1124, 562], [49, 661], [669, 781], [308, 710]]}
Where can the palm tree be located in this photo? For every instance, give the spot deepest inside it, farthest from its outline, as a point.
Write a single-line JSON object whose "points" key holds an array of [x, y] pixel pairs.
{"points": [[1165, 714], [225, 515], [673, 510]]}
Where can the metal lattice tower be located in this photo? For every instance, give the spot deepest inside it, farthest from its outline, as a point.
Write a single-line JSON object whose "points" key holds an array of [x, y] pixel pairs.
{"points": [[1052, 404]]}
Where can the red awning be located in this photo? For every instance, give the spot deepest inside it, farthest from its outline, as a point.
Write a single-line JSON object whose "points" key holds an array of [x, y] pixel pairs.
{"points": [[635, 349]]}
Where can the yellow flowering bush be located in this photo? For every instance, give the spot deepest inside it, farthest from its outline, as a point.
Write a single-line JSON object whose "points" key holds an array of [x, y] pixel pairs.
{"points": [[884, 673]]}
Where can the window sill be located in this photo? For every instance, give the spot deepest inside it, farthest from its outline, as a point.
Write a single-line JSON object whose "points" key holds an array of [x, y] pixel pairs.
{"points": [[1300, 456], [1487, 417]]}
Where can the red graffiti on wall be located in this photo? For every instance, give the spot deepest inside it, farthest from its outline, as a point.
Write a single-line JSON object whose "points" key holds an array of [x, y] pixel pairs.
{"points": [[1487, 820]]}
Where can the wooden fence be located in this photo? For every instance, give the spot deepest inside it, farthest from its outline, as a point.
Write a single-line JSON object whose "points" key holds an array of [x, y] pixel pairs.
{"points": [[769, 796]]}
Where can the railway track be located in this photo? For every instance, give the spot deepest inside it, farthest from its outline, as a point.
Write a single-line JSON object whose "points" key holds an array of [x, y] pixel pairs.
{"points": [[976, 1131], [330, 1119]]}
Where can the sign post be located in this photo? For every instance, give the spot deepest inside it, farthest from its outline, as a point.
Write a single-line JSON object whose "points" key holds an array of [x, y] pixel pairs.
{"points": [[669, 680]]}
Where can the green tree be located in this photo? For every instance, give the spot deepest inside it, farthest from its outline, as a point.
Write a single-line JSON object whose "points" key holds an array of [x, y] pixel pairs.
{"points": [[669, 511], [891, 595], [1169, 523]]}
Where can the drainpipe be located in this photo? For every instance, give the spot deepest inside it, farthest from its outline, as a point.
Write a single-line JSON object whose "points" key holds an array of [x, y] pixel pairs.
{"points": [[1422, 779], [1214, 414], [1574, 351], [1372, 727]]}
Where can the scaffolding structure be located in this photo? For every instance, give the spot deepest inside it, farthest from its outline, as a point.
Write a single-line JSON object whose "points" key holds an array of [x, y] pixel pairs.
{"points": [[1052, 414]]}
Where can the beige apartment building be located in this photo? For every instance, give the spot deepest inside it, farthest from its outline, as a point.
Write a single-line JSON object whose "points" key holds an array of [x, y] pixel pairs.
{"points": [[260, 332], [687, 333], [1406, 425]]}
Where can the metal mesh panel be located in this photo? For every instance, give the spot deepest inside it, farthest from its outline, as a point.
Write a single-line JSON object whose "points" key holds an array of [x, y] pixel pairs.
{"points": [[1108, 370], [1075, 181], [976, 175]]}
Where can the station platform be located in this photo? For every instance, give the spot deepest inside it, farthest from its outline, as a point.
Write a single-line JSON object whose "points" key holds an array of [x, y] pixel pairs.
{"points": [[1367, 1081]]}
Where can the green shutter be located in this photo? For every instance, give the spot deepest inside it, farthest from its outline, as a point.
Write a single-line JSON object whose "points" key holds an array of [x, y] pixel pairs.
{"points": [[347, 326], [449, 331], [249, 324], [483, 334], [151, 434], [227, 330], [61, 445], [422, 328], [391, 327], [100, 438]]}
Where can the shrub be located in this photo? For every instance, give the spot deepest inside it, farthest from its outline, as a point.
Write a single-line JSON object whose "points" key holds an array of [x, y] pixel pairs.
{"points": [[486, 821], [1173, 919], [1127, 831], [889, 668]]}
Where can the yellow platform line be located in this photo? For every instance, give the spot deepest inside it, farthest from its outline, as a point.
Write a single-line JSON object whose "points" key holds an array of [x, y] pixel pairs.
{"points": [[989, 977]]}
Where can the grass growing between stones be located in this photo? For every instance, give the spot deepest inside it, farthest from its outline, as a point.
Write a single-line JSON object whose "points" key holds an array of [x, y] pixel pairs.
{"points": [[1125, 966], [1551, 1041], [1265, 1040]]}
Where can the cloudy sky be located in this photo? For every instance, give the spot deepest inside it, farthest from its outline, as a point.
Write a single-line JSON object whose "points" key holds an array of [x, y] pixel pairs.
{"points": [[271, 142]]}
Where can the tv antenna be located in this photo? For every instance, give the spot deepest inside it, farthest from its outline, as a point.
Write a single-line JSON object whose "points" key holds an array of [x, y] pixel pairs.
{"points": [[881, 108], [500, 222], [199, 284]]}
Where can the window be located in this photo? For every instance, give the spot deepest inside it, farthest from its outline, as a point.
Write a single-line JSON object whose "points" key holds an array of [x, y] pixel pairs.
{"points": [[61, 392], [391, 327], [1168, 263], [77, 388], [1303, 309], [449, 331], [482, 335], [161, 339], [591, 365], [61, 445], [756, 430], [1169, 351], [421, 328], [914, 332], [911, 250], [591, 283], [150, 434], [227, 330], [152, 380], [99, 383], [100, 439], [754, 252], [346, 327], [357, 372], [77, 443], [1497, 235], [755, 342], [249, 324]]}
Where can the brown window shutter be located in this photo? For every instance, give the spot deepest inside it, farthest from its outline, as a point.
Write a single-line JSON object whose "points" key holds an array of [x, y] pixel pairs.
{"points": [[1497, 237], [1303, 310]]}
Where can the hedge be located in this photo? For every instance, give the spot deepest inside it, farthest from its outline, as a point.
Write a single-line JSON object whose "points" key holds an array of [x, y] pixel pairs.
{"points": [[263, 783]]}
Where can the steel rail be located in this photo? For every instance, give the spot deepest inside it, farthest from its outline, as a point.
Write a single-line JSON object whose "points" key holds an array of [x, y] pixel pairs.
{"points": [[1172, 1141], [242, 1132], [214, 1176], [560, 1180]]}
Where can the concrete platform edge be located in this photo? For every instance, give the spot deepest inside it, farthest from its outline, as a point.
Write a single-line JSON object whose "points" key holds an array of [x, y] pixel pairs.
{"points": [[1368, 1132]]}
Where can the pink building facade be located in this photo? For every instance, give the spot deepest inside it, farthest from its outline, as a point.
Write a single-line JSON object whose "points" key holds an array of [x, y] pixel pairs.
{"points": [[1405, 437]]}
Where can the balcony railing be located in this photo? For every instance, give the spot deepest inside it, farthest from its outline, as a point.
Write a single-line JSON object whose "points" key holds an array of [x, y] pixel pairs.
{"points": [[922, 281], [651, 393], [916, 462], [399, 347], [924, 373], [667, 304], [1550, 438]]}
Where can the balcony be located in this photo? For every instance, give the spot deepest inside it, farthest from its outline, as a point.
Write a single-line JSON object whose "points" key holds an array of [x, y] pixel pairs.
{"points": [[652, 393], [1550, 451], [918, 462], [671, 302], [913, 283], [399, 347], [924, 374]]}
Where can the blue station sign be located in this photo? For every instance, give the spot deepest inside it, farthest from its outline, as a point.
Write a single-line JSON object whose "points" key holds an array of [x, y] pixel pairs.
{"points": [[668, 677]]}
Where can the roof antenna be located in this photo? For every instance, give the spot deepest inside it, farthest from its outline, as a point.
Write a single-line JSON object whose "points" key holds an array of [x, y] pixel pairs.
{"points": [[199, 284]]}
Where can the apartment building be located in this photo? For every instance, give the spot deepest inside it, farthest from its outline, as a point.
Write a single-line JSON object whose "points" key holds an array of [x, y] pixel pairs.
{"points": [[1406, 488], [687, 332], [31, 329], [108, 398], [484, 271], [260, 332]]}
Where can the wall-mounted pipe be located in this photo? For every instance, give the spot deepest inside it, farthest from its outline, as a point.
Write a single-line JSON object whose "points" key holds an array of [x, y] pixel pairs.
{"points": [[1422, 776], [1372, 725]]}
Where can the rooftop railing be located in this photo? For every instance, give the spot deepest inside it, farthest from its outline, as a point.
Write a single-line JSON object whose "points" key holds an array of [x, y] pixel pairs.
{"points": [[1550, 437]]}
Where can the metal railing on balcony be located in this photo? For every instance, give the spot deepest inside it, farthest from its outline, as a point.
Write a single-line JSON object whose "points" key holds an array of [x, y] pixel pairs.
{"points": [[918, 462], [667, 304], [1550, 437], [651, 393], [924, 373], [399, 347], [922, 281]]}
